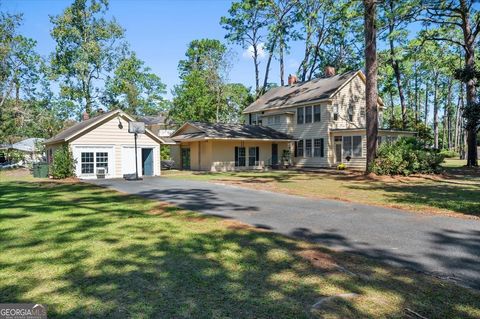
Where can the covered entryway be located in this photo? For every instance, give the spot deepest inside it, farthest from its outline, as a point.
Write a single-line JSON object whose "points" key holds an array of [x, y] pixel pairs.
{"points": [[185, 153]]}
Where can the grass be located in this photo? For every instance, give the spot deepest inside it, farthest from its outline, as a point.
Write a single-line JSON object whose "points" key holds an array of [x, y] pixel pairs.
{"points": [[85, 251], [456, 194]]}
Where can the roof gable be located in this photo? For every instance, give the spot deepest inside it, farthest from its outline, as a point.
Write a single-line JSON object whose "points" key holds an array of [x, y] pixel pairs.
{"points": [[300, 93], [80, 128]]}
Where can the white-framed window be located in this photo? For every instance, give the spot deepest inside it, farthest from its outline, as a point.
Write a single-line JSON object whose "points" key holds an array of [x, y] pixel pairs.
{"points": [[270, 120], [240, 159], [256, 119], [308, 114], [300, 118], [347, 146], [277, 119], [87, 162], [316, 113], [101, 160], [357, 146], [308, 148], [350, 113], [335, 112], [252, 156], [352, 146], [318, 147], [300, 148]]}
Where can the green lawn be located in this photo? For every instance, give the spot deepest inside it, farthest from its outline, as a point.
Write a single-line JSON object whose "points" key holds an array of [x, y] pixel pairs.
{"points": [[89, 252], [456, 193]]}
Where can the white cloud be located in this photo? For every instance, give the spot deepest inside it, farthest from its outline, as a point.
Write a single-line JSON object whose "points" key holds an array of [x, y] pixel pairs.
{"points": [[248, 53]]}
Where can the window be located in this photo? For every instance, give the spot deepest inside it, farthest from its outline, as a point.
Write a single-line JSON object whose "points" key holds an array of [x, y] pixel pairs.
{"points": [[252, 156], [277, 119], [87, 162], [347, 146], [253, 119], [338, 138], [357, 146], [350, 113], [240, 156], [352, 146], [318, 145], [308, 148], [335, 112], [270, 120], [102, 160], [316, 113], [308, 114], [300, 115], [300, 148]]}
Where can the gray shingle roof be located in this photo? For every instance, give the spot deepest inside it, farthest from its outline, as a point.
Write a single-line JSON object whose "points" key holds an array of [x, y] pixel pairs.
{"points": [[303, 92], [76, 128], [232, 131]]}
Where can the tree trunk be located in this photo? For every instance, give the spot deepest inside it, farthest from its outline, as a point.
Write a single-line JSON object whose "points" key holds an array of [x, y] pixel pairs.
{"points": [[371, 82], [398, 78], [426, 104], [417, 106], [435, 112], [255, 62], [267, 67], [469, 39], [282, 66]]}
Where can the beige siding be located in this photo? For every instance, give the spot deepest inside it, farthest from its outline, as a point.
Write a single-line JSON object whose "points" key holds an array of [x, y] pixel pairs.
{"points": [[219, 155], [353, 93], [114, 133]]}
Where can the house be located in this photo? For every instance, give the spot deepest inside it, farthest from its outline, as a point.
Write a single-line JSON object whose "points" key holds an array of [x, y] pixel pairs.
{"points": [[159, 124], [104, 143], [225, 147], [326, 117], [28, 147]]}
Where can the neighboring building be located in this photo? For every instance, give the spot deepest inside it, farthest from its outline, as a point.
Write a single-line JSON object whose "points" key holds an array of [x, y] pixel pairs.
{"points": [[29, 147], [326, 116], [159, 124], [225, 147], [103, 143]]}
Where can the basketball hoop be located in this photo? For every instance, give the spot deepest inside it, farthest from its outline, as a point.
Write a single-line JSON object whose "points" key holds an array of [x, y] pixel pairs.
{"points": [[136, 128]]}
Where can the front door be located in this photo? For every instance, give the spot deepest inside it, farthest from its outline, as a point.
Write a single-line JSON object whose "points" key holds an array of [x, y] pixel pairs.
{"points": [[338, 151], [147, 161], [185, 158], [274, 155]]}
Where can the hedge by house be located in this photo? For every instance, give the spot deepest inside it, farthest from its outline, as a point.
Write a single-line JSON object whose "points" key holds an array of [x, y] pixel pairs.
{"points": [[406, 156], [63, 165]]}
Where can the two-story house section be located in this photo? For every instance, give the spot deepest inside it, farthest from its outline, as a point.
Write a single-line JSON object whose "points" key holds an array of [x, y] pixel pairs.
{"points": [[325, 115]]}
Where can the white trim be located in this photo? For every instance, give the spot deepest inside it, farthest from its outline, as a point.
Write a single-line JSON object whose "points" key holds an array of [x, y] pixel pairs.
{"points": [[101, 121], [77, 150]]}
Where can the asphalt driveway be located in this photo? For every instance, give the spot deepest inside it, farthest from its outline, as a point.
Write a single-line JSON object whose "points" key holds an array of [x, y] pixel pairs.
{"points": [[448, 247]]}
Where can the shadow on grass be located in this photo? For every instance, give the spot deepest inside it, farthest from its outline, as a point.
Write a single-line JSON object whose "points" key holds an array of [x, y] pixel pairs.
{"points": [[463, 199], [89, 252]]}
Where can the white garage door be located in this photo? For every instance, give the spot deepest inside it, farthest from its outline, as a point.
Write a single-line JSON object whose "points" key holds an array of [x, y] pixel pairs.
{"points": [[128, 160]]}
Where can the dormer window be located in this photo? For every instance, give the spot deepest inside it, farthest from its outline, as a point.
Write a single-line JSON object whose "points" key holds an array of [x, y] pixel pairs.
{"points": [[350, 113], [335, 112]]}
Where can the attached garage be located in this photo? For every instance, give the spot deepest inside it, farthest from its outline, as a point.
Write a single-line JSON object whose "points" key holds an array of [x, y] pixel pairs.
{"points": [[103, 147]]}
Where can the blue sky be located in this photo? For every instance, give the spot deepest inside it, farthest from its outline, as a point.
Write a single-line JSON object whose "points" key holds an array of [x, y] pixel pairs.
{"points": [[157, 30]]}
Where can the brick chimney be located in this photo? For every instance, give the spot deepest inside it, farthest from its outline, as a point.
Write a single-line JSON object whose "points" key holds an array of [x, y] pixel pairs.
{"points": [[292, 79], [85, 116], [329, 71]]}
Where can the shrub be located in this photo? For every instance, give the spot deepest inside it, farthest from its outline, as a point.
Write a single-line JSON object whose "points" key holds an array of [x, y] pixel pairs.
{"points": [[449, 153], [341, 167], [63, 165], [406, 156]]}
